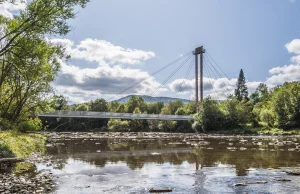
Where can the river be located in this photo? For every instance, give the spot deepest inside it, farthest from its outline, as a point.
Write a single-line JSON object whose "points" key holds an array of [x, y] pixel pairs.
{"points": [[93, 163]]}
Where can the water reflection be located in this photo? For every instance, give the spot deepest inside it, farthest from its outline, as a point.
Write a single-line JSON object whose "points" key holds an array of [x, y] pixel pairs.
{"points": [[240, 154], [189, 165]]}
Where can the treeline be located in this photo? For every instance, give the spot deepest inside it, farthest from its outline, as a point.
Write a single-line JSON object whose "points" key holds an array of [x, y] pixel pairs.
{"points": [[135, 104], [278, 107]]}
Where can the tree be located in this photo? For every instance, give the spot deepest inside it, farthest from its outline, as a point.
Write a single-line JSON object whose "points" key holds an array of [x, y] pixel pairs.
{"points": [[236, 113], [82, 107], [99, 105], [241, 91], [118, 125], [29, 61], [261, 93], [41, 18], [59, 103], [136, 102], [210, 116], [113, 106], [155, 108], [286, 104], [171, 108]]}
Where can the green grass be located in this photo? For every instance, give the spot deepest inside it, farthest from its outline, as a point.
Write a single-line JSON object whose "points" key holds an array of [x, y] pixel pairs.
{"points": [[15, 144], [259, 131]]}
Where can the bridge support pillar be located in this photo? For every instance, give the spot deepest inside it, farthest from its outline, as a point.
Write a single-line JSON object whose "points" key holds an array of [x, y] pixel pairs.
{"points": [[198, 51]]}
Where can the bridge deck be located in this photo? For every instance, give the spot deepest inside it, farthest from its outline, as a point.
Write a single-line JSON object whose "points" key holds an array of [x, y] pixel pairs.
{"points": [[111, 115]]}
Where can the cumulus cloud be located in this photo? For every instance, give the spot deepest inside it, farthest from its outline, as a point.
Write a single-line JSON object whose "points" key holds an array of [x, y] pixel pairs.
{"points": [[103, 52], [81, 84], [219, 88], [7, 9], [293, 46], [287, 73], [106, 80]]}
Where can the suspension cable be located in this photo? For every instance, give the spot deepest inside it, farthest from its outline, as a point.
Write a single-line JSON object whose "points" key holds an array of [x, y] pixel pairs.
{"points": [[185, 77], [172, 74], [151, 75], [216, 64], [218, 76]]}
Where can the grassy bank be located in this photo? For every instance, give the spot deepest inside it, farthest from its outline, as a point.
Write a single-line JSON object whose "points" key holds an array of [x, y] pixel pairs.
{"points": [[14, 144], [259, 131]]}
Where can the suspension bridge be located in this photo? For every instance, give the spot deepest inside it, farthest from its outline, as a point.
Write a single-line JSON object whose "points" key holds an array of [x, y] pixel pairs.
{"points": [[210, 67]]}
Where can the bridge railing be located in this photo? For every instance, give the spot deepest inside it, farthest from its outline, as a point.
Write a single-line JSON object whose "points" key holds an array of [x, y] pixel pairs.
{"points": [[89, 114]]}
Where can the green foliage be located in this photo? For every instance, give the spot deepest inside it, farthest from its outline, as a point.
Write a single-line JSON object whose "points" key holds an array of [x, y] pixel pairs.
{"points": [[118, 125], [113, 106], [267, 116], [99, 105], [261, 94], [172, 107], [5, 152], [21, 145], [59, 103], [236, 113], [167, 126], [30, 125], [136, 102], [241, 91], [29, 62], [155, 108], [285, 101], [4, 124], [82, 107], [210, 116], [180, 111]]}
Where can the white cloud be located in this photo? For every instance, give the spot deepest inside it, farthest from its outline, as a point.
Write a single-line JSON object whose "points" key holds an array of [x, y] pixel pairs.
{"points": [[287, 73], [103, 52], [293, 46], [7, 8], [216, 88]]}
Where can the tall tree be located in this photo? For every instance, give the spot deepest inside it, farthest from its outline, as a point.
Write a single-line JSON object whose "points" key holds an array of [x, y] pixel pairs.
{"points": [[29, 62], [261, 93], [241, 91]]}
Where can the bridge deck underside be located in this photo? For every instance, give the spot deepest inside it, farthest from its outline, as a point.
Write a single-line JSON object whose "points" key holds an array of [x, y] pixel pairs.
{"points": [[109, 115]]}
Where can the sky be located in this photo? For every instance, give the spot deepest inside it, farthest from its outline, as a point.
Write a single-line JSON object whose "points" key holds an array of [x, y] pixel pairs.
{"points": [[115, 44]]}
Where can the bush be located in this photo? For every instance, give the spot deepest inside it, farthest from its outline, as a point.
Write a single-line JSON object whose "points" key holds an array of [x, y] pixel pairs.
{"points": [[210, 116], [30, 125], [196, 126], [118, 125], [267, 117], [5, 152], [4, 124]]}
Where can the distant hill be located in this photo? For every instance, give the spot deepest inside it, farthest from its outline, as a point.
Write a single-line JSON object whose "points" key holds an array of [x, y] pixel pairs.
{"points": [[150, 99]]}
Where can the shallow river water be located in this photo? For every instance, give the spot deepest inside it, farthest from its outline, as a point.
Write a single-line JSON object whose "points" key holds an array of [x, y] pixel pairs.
{"points": [[191, 164]]}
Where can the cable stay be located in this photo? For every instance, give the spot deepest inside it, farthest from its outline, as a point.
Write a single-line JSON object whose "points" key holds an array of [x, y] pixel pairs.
{"points": [[151, 75], [171, 75], [218, 75], [213, 95], [185, 78]]}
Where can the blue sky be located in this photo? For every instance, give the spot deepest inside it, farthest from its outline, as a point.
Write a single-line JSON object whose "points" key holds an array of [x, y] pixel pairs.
{"points": [[146, 35]]}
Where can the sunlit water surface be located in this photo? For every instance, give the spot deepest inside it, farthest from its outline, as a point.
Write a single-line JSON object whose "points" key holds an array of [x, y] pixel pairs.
{"points": [[207, 165]]}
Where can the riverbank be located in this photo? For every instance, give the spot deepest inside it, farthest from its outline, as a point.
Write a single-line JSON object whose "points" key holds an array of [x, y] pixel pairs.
{"points": [[258, 131], [20, 145], [19, 153]]}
